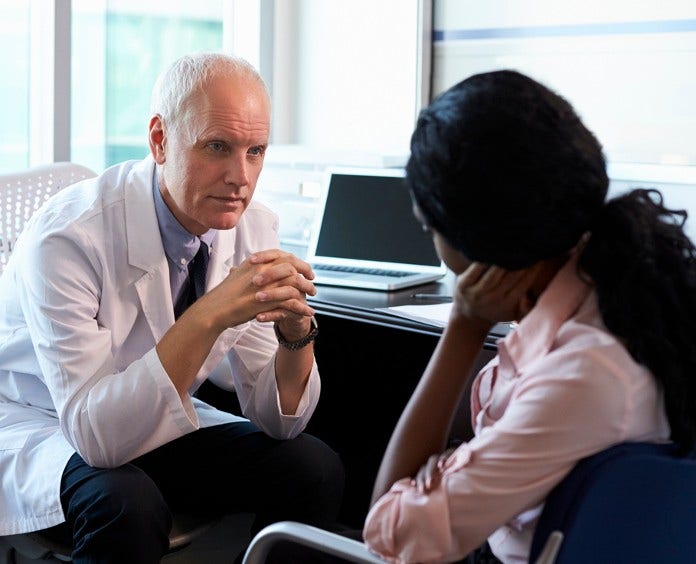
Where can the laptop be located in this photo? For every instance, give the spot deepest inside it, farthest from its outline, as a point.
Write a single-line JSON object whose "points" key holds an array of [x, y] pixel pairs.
{"points": [[367, 236]]}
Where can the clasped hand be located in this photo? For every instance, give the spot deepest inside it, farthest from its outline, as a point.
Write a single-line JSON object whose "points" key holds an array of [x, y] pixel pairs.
{"points": [[270, 285]]}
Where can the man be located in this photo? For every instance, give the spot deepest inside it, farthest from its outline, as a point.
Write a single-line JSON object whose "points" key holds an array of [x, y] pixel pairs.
{"points": [[101, 352]]}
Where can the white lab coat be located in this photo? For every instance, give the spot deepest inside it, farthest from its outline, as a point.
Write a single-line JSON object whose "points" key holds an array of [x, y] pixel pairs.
{"points": [[83, 301]]}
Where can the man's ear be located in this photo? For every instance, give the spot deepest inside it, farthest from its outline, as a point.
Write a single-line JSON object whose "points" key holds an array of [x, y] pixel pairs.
{"points": [[157, 139]]}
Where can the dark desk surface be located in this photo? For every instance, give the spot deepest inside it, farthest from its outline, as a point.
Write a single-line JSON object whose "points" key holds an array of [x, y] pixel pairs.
{"points": [[366, 305]]}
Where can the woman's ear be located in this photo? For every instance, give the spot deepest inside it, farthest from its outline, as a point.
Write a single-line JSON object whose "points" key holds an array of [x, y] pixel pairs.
{"points": [[527, 301], [546, 270], [534, 287]]}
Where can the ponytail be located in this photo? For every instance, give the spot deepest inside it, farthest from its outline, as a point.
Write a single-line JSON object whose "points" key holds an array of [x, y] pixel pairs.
{"points": [[644, 268]]}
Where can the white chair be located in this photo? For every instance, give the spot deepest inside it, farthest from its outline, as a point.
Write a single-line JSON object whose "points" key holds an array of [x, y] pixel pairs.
{"points": [[22, 193], [336, 545], [319, 539]]}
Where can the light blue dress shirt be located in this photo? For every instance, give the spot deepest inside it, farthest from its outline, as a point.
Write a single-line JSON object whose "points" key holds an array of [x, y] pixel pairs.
{"points": [[180, 246]]}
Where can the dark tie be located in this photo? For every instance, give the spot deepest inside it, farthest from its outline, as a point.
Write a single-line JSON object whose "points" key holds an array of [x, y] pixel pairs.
{"points": [[197, 269]]}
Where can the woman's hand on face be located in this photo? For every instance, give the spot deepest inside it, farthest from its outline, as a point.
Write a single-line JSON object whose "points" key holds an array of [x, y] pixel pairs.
{"points": [[490, 294]]}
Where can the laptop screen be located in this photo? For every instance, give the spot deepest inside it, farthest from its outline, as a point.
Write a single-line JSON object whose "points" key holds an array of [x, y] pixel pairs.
{"points": [[369, 217]]}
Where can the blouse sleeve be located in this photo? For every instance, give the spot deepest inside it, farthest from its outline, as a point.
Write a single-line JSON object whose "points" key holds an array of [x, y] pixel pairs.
{"points": [[542, 423]]}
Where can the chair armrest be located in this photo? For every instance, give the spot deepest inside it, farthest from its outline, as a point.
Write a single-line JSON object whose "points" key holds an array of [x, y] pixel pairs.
{"points": [[319, 539]]}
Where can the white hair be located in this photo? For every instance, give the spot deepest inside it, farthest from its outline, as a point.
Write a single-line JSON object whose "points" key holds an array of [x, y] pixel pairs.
{"points": [[188, 74]]}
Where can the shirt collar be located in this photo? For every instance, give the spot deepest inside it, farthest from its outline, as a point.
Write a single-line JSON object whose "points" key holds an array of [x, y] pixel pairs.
{"points": [[180, 246], [534, 335]]}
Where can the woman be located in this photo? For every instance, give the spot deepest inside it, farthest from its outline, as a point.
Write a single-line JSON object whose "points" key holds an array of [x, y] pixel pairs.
{"points": [[513, 187]]}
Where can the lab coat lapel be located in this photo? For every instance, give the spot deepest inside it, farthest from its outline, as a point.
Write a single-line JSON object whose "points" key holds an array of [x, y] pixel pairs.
{"points": [[222, 255], [145, 250], [221, 258]]}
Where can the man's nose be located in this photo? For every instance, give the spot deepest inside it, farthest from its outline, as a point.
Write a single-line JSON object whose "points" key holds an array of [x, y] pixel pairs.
{"points": [[237, 172]]}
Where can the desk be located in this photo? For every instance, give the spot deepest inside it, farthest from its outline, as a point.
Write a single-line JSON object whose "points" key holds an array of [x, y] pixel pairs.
{"points": [[370, 362]]}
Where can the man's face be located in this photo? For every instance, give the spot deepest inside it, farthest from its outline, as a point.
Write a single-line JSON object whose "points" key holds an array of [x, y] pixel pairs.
{"points": [[208, 166]]}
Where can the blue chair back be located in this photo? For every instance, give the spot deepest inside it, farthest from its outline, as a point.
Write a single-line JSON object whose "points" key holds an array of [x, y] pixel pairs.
{"points": [[632, 503]]}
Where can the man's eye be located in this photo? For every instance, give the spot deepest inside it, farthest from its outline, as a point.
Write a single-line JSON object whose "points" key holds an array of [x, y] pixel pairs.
{"points": [[216, 146], [256, 151]]}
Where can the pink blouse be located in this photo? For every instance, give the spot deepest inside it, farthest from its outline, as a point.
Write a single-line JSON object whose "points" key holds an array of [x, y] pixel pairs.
{"points": [[561, 388]]}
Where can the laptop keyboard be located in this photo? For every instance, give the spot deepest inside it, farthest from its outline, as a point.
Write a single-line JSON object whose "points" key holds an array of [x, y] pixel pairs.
{"points": [[358, 270]]}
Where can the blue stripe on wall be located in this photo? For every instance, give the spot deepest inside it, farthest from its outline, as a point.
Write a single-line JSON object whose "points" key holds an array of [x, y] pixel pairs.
{"points": [[619, 28]]}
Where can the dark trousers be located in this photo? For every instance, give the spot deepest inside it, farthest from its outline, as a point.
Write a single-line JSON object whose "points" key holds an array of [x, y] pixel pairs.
{"points": [[123, 514]]}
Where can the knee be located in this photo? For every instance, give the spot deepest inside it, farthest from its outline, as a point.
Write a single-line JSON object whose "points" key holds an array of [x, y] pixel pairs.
{"points": [[124, 502], [316, 465]]}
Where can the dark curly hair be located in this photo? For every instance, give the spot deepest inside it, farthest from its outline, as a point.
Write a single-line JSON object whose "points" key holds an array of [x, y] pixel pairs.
{"points": [[504, 169]]}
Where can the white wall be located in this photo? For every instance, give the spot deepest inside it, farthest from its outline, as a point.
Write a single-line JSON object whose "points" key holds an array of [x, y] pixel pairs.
{"points": [[356, 74]]}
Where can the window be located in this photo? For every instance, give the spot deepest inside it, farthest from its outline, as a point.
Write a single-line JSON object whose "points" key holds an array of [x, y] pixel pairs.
{"points": [[345, 80], [118, 49], [93, 107], [625, 65], [14, 94]]}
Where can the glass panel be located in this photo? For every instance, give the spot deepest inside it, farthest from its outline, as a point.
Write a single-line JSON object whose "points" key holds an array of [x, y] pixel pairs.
{"points": [[14, 94], [118, 51], [623, 64]]}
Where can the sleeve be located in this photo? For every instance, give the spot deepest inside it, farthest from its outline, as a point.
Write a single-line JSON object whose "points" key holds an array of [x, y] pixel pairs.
{"points": [[249, 367], [61, 285], [553, 419]]}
